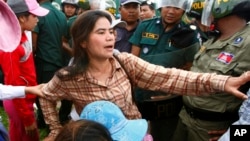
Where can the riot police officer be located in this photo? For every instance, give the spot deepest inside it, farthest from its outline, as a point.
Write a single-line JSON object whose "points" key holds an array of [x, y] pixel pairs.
{"points": [[170, 42], [227, 54]]}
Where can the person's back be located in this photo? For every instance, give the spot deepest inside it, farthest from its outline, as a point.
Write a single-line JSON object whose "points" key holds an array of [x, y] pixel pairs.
{"points": [[49, 32], [224, 54], [47, 44]]}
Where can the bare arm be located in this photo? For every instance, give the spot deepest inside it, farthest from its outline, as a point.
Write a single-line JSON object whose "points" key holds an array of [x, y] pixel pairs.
{"points": [[36, 90], [172, 80]]}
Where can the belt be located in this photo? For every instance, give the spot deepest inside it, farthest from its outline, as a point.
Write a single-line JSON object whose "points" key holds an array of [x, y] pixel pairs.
{"points": [[209, 115], [160, 109]]}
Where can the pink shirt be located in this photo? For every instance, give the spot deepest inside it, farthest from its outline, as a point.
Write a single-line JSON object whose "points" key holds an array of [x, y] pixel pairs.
{"points": [[148, 137]]}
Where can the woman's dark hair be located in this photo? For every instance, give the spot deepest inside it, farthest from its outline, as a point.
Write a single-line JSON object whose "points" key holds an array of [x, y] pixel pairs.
{"points": [[84, 130], [80, 32]]}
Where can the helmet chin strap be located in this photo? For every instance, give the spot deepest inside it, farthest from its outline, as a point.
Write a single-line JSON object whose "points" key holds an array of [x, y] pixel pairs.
{"points": [[213, 32]]}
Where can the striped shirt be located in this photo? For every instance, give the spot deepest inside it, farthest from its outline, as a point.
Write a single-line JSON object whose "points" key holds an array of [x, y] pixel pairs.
{"points": [[83, 89]]}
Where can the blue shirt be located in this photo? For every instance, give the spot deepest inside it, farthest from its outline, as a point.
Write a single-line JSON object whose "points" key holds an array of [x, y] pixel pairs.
{"points": [[244, 114], [122, 44]]}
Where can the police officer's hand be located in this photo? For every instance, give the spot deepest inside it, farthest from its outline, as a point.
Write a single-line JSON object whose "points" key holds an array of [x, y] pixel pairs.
{"points": [[233, 84], [216, 134]]}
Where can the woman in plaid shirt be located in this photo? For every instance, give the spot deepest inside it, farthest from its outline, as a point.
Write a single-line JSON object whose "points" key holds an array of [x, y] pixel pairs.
{"points": [[96, 75]]}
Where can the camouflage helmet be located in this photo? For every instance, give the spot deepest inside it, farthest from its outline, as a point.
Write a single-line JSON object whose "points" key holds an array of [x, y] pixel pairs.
{"points": [[196, 9], [221, 8], [84, 4], [182, 4]]}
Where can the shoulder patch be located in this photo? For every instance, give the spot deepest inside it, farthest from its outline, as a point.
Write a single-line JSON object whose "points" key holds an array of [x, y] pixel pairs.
{"points": [[238, 40]]}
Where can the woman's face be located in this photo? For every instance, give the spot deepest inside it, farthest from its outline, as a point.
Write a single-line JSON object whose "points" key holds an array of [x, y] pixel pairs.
{"points": [[101, 41], [28, 23]]}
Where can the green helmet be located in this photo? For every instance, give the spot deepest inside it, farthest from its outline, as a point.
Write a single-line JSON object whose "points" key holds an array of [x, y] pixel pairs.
{"points": [[84, 4], [196, 9], [221, 8]]}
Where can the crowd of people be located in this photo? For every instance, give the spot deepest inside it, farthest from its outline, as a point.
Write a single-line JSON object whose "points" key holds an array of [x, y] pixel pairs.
{"points": [[166, 70]]}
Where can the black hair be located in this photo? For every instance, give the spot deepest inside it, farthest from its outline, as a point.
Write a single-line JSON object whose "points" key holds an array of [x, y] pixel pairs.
{"points": [[80, 31], [84, 130], [151, 5]]}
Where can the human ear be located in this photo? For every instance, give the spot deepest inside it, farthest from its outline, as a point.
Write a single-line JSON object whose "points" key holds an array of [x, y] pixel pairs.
{"points": [[21, 19], [84, 44]]}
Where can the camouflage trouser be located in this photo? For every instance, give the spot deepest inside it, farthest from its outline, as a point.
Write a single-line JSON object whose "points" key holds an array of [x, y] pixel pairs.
{"points": [[190, 129]]}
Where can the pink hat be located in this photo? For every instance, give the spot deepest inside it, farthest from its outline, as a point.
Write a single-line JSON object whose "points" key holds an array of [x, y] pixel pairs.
{"points": [[10, 32], [19, 6]]}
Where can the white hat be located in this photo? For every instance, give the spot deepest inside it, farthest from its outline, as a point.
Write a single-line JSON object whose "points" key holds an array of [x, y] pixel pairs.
{"points": [[118, 23], [124, 2]]}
